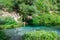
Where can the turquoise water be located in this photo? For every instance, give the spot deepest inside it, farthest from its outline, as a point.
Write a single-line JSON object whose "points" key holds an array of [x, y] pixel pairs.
{"points": [[17, 32]]}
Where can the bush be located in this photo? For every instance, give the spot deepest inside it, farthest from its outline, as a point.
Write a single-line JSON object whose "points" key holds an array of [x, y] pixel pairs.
{"points": [[8, 22], [3, 36], [46, 5], [6, 4], [40, 35], [13, 5], [46, 19], [27, 10]]}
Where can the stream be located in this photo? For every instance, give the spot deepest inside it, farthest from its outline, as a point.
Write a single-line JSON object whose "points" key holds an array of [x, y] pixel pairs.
{"points": [[16, 33]]}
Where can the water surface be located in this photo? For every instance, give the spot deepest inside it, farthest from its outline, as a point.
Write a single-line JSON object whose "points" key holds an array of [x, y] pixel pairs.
{"points": [[16, 33]]}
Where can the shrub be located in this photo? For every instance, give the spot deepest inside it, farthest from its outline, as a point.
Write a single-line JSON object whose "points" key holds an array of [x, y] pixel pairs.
{"points": [[3, 36], [13, 5], [40, 35], [46, 5], [8, 22], [6, 4], [46, 19], [27, 10]]}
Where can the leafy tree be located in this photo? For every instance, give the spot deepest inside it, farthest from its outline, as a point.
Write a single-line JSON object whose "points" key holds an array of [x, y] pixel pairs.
{"points": [[58, 4], [46, 5]]}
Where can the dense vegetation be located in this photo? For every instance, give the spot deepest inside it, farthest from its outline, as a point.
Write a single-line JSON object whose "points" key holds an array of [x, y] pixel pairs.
{"points": [[31, 12], [34, 12], [40, 35], [46, 19], [3, 36], [8, 22]]}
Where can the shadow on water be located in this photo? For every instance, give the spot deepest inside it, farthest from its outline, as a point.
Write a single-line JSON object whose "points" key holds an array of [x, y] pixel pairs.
{"points": [[16, 33]]}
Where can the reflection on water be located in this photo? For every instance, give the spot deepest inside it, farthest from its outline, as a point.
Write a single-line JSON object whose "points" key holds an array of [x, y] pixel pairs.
{"points": [[17, 32]]}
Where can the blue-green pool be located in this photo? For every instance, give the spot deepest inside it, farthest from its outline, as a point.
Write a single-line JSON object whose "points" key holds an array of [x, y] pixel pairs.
{"points": [[17, 32]]}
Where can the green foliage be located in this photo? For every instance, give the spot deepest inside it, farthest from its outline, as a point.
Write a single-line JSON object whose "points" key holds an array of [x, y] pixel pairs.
{"points": [[40, 35], [3, 36], [46, 5], [46, 19], [6, 4], [29, 2], [58, 4], [27, 10], [58, 37], [13, 5], [29, 7], [8, 22], [42, 5]]}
